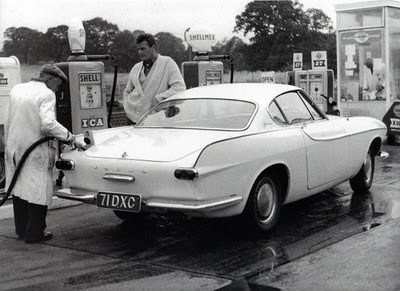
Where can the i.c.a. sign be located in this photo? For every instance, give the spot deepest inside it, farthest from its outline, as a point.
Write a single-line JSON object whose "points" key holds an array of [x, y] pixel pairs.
{"points": [[92, 122]]}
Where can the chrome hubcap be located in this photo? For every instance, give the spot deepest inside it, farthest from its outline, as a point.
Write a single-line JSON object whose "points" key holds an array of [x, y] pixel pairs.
{"points": [[266, 203]]}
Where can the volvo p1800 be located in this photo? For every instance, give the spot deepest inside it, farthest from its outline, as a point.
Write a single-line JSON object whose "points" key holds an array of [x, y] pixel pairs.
{"points": [[223, 150]]}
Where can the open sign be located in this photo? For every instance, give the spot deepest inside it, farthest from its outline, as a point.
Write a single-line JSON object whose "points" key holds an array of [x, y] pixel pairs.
{"points": [[267, 77]]}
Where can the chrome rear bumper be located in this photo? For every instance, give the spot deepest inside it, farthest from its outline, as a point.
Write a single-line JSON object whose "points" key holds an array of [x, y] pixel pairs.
{"points": [[176, 206], [198, 207], [67, 194]]}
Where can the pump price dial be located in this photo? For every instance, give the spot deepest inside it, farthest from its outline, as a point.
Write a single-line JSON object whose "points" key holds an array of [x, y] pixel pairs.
{"points": [[90, 90], [213, 77]]}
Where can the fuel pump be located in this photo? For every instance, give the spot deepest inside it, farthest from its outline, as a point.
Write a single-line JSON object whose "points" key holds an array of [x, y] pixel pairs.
{"points": [[319, 85], [10, 75], [205, 69], [81, 104]]}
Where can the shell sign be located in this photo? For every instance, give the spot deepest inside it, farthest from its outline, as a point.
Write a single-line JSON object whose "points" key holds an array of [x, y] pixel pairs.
{"points": [[319, 60], [3, 80], [200, 40]]}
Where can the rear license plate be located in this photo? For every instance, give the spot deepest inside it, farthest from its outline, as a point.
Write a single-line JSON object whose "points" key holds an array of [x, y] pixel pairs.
{"points": [[119, 201]]}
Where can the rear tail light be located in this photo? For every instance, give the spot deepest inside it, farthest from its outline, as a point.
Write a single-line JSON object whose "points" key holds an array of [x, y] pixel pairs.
{"points": [[186, 174], [65, 165]]}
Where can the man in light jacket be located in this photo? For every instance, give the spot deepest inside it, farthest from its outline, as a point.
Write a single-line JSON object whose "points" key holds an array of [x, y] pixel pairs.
{"points": [[150, 81], [30, 117], [374, 80]]}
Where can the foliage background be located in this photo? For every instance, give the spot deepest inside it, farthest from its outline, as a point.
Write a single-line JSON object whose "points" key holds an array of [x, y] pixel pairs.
{"points": [[275, 29]]}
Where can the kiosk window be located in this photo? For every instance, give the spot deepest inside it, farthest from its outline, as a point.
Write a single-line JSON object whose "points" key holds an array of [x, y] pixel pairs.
{"points": [[361, 18], [362, 68], [394, 68]]}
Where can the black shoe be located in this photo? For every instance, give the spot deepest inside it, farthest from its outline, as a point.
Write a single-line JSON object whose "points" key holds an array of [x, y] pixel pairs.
{"points": [[47, 235]]}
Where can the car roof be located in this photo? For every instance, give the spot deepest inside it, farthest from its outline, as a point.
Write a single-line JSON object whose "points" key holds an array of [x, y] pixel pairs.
{"points": [[255, 92]]}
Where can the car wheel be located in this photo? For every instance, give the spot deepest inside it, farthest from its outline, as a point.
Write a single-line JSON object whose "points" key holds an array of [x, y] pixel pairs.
{"points": [[363, 180], [129, 216], [2, 171], [264, 204]]}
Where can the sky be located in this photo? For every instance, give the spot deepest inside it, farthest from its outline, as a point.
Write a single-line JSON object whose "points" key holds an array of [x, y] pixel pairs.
{"points": [[153, 16]]}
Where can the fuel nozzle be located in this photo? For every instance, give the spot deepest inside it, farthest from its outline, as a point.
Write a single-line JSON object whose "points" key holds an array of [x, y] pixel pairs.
{"points": [[88, 139]]}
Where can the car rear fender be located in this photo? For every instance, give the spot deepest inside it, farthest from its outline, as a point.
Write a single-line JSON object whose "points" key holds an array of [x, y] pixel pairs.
{"points": [[232, 166], [280, 174], [364, 134]]}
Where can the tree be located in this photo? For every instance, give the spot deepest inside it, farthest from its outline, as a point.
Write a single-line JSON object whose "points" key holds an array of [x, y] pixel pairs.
{"points": [[137, 32], [319, 21], [100, 35], [170, 45], [56, 46], [234, 47], [24, 43], [275, 26], [280, 28], [124, 48]]}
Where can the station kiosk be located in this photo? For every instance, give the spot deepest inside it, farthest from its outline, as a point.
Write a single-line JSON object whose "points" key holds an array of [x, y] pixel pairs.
{"points": [[368, 57]]}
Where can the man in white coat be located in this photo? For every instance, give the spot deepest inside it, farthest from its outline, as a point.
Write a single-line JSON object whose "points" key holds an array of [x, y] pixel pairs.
{"points": [[150, 81], [30, 117], [374, 80]]}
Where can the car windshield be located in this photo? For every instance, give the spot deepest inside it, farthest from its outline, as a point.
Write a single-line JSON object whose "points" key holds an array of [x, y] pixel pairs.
{"points": [[200, 113]]}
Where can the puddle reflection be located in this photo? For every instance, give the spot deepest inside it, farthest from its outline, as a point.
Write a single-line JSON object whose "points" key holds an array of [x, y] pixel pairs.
{"points": [[389, 207], [362, 207], [226, 247]]}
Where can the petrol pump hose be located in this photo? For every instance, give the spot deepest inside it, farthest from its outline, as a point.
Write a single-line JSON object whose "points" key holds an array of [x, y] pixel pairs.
{"points": [[14, 179], [20, 165]]}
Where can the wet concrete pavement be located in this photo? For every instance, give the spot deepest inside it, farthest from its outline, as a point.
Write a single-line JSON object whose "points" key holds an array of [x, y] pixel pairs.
{"points": [[368, 260], [335, 240]]}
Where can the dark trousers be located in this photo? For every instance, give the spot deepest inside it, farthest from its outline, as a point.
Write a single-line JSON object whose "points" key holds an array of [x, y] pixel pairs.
{"points": [[29, 219]]}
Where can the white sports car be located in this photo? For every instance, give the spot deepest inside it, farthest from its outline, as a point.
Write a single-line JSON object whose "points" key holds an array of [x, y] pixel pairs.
{"points": [[223, 150]]}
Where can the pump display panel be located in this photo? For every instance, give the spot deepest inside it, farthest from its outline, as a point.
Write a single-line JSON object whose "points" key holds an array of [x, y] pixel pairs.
{"points": [[81, 103], [213, 77], [90, 90]]}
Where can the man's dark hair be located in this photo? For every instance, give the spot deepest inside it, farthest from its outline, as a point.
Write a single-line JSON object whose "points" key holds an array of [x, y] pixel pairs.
{"points": [[369, 63], [147, 37]]}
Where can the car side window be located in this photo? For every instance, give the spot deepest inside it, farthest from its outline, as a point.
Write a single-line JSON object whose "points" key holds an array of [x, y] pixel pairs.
{"points": [[276, 114], [316, 114], [293, 108]]}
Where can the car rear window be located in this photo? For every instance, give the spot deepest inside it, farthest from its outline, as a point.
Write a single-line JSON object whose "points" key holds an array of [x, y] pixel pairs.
{"points": [[200, 113]]}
